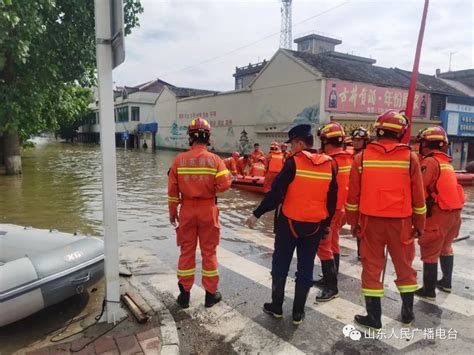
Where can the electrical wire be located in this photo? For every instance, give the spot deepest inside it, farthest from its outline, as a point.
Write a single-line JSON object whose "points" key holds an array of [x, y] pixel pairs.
{"points": [[252, 43]]}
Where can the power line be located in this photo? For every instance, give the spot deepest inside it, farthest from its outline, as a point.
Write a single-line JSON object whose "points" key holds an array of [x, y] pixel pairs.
{"points": [[252, 43]]}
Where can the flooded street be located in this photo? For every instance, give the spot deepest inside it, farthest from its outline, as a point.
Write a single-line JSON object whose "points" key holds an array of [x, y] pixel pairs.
{"points": [[61, 189]]}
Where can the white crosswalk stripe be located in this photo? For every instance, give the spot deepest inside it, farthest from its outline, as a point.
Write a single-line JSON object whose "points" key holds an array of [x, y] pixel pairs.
{"points": [[450, 301], [339, 309], [245, 335], [458, 271]]}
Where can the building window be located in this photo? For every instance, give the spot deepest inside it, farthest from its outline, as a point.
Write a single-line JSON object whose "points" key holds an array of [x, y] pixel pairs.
{"points": [[438, 103], [135, 113], [121, 114], [239, 83], [304, 46], [97, 118]]}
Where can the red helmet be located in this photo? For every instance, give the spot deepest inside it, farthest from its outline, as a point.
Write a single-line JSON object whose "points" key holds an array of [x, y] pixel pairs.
{"points": [[360, 132], [433, 134], [274, 146], [284, 145], [392, 121], [199, 125], [331, 130], [235, 155]]}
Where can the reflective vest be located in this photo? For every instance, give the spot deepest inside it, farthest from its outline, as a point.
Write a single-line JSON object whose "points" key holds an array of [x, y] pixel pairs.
{"points": [[344, 164], [275, 162], [306, 197], [257, 169], [449, 195], [231, 165], [386, 181]]}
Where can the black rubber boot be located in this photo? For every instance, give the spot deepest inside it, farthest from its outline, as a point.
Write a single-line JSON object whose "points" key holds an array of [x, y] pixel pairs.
{"points": [[407, 308], [447, 263], [336, 261], [184, 296], [330, 291], [278, 295], [373, 319], [430, 273], [322, 281], [212, 299], [301, 294]]}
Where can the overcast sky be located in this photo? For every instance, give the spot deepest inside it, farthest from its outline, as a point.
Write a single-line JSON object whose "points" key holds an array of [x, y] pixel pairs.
{"points": [[198, 43]]}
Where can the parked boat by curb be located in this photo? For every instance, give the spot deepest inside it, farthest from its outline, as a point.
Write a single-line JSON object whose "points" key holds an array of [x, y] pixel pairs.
{"points": [[39, 268]]}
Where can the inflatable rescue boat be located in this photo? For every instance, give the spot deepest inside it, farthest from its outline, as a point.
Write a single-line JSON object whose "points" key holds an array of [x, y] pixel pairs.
{"points": [[249, 183], [465, 178], [39, 268]]}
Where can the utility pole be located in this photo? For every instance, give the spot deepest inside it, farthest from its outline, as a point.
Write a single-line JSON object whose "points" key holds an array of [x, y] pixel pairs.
{"points": [[286, 37], [109, 53]]}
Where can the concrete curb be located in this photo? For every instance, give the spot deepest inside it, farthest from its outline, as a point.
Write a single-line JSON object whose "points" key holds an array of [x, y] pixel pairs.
{"points": [[169, 332]]}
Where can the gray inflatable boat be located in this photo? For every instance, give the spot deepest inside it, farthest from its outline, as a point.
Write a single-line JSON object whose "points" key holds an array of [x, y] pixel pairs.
{"points": [[39, 268]]}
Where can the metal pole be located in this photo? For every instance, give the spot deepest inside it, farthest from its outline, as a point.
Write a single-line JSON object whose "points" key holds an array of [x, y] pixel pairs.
{"points": [[414, 75], [113, 312]]}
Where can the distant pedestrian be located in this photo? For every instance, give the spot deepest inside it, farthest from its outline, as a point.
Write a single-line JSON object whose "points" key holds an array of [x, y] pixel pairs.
{"points": [[145, 146]]}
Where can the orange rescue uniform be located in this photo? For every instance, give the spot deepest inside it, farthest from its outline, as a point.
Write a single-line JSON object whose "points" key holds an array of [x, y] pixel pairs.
{"points": [[386, 188], [194, 178], [444, 221], [243, 166], [256, 155], [274, 166], [257, 169], [231, 165], [330, 246]]}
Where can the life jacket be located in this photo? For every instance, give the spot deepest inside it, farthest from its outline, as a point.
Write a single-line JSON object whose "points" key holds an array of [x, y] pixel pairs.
{"points": [[306, 197], [231, 165], [256, 155], [386, 181], [257, 169], [449, 195], [344, 162], [275, 162]]}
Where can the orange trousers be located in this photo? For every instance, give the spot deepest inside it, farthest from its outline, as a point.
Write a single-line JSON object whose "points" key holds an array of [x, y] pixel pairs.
{"points": [[269, 177], [395, 234], [198, 221], [440, 230], [330, 246]]}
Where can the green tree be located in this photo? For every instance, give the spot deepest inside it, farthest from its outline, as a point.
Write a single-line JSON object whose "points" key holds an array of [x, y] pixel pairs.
{"points": [[47, 51]]}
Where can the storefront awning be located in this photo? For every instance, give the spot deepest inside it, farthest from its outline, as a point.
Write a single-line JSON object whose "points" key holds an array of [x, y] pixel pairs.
{"points": [[147, 127]]}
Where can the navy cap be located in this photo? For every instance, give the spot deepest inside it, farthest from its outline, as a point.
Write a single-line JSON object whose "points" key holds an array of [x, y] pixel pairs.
{"points": [[300, 131]]}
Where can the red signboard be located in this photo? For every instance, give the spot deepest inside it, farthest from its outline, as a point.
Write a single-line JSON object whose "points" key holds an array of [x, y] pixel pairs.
{"points": [[345, 96]]}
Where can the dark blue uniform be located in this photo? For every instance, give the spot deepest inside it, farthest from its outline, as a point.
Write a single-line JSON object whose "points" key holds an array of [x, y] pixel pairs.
{"points": [[306, 242]]}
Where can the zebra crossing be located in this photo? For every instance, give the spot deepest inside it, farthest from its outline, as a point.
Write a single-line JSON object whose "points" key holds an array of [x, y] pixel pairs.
{"points": [[245, 259]]}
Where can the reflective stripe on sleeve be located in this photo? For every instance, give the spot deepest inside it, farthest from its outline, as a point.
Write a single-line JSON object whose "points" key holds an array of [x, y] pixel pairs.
{"points": [[350, 207], [419, 210]]}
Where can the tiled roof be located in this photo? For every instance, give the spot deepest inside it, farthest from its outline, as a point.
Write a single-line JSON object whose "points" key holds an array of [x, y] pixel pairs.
{"points": [[187, 92], [355, 70]]}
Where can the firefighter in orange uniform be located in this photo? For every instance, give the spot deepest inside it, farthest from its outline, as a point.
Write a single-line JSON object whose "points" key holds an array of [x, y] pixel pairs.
{"points": [[386, 188], [274, 165], [307, 189], [243, 165], [444, 200], [257, 154], [231, 163], [360, 138], [258, 169], [332, 139], [348, 145], [193, 180]]}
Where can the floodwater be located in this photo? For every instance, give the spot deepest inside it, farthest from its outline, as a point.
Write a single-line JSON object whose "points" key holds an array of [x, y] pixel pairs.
{"points": [[61, 188]]}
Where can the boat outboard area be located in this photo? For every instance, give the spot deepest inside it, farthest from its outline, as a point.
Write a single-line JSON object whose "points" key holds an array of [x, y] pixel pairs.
{"points": [[39, 268]]}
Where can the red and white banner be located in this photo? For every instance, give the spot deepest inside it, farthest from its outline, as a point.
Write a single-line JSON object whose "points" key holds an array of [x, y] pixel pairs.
{"points": [[346, 96]]}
